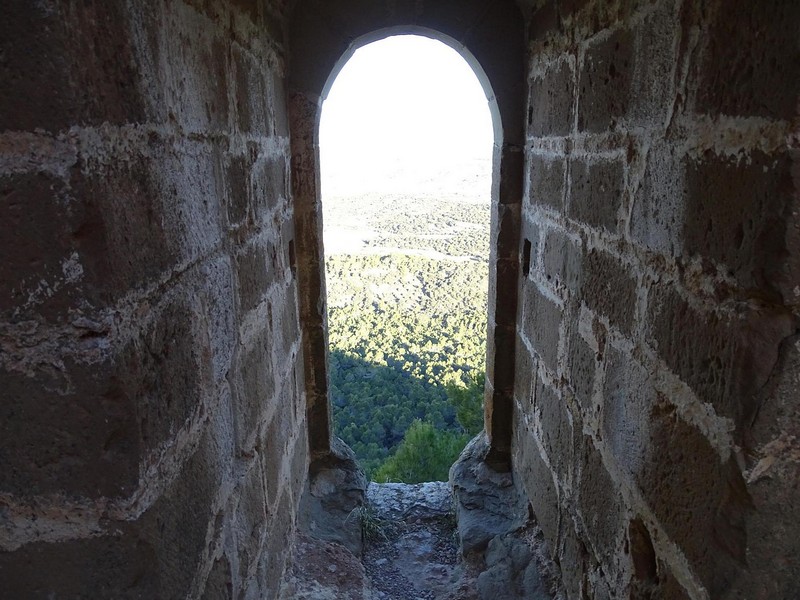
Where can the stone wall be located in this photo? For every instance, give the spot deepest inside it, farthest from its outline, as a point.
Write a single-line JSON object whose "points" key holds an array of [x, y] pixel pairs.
{"points": [[656, 418], [152, 432]]}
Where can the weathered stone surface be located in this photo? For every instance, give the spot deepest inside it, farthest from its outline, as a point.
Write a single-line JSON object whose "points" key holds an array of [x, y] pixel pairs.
{"points": [[336, 489], [701, 501], [487, 502], [562, 260], [542, 319], [740, 215], [600, 505], [537, 481], [595, 193], [628, 399], [53, 439], [219, 585], [121, 566], [750, 65], [550, 108], [325, 571], [400, 501], [605, 82], [726, 360], [610, 289], [547, 181], [556, 427], [53, 54], [582, 365], [512, 571]]}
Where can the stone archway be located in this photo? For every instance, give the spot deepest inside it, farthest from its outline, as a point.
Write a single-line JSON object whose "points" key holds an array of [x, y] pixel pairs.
{"points": [[490, 37]]}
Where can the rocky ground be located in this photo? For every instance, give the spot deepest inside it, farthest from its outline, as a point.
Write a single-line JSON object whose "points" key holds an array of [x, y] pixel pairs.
{"points": [[411, 551]]}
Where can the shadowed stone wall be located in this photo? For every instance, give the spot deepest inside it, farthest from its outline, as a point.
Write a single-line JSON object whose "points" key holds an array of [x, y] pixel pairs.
{"points": [[152, 425], [656, 415], [153, 438]]}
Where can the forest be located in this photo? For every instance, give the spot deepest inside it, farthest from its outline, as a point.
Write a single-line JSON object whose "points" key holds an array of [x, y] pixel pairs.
{"points": [[407, 289]]}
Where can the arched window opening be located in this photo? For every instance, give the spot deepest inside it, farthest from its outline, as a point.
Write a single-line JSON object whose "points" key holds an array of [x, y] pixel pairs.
{"points": [[406, 143]]}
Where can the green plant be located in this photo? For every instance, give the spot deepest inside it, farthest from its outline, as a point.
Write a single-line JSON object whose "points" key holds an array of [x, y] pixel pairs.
{"points": [[372, 527]]}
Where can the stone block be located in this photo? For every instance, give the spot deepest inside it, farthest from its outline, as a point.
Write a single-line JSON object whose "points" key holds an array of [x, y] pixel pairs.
{"points": [[574, 557], [551, 102], [238, 186], [66, 66], [168, 370], [251, 92], [73, 432], [249, 519], [609, 289], [657, 215], [751, 65], [41, 233], [219, 585], [605, 82], [274, 556], [196, 94], [596, 190], [269, 185], [556, 428], [600, 505], [562, 260], [505, 232], [254, 276], [536, 479], [547, 181], [628, 398], [274, 447], [113, 566], [285, 324], [256, 374], [724, 360], [178, 523], [280, 115], [581, 364], [652, 83], [152, 212], [524, 374], [701, 502], [541, 321], [299, 463], [740, 215]]}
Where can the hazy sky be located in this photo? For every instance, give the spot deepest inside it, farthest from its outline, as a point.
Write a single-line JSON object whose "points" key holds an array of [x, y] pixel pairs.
{"points": [[402, 105]]}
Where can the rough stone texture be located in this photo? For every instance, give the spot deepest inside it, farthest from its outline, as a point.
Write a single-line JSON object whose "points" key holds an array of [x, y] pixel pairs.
{"points": [[404, 501], [336, 490], [653, 323], [149, 338], [160, 409], [487, 503]]}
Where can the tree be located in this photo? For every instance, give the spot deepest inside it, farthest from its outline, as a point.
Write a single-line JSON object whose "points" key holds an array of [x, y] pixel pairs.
{"points": [[425, 454]]}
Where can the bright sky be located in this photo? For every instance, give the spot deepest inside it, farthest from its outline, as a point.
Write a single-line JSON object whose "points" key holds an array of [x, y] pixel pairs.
{"points": [[403, 107]]}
